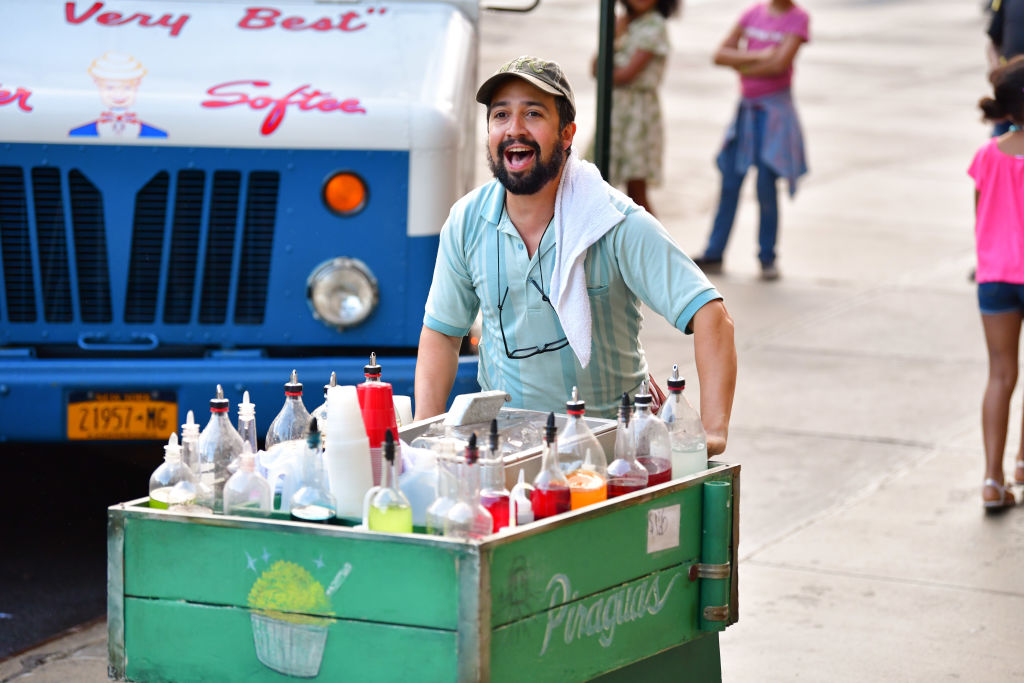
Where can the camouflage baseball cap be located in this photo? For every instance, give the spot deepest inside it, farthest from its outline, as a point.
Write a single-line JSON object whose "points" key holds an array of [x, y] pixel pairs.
{"points": [[547, 76]]}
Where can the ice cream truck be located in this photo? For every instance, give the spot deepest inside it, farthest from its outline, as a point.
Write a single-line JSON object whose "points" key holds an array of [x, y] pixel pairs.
{"points": [[201, 193]]}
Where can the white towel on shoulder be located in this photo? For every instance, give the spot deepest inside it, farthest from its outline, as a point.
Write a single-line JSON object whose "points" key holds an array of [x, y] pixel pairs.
{"points": [[583, 214]]}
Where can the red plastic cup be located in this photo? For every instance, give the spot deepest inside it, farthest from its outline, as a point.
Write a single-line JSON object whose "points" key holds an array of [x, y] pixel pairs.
{"points": [[378, 409]]}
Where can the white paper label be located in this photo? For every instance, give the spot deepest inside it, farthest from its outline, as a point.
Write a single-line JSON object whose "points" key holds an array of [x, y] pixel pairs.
{"points": [[662, 528]]}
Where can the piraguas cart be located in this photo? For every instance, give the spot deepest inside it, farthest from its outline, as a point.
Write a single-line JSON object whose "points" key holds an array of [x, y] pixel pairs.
{"points": [[635, 588]]}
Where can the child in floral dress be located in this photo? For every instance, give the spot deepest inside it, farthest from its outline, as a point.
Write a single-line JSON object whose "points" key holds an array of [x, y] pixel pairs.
{"points": [[637, 137]]}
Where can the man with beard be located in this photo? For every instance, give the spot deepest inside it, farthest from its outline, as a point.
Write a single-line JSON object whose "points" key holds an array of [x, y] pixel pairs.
{"points": [[558, 261]]}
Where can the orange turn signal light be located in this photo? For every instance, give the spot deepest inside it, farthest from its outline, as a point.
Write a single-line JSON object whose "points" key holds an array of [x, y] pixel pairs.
{"points": [[345, 193]]}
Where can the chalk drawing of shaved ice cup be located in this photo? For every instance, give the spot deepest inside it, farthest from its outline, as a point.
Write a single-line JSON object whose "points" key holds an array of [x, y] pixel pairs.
{"points": [[291, 617]]}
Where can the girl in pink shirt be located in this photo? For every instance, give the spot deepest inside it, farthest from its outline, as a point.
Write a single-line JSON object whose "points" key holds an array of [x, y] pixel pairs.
{"points": [[766, 133], [998, 172]]}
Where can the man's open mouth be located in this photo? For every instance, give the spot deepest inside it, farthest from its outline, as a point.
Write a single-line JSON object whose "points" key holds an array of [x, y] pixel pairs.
{"points": [[518, 156]]}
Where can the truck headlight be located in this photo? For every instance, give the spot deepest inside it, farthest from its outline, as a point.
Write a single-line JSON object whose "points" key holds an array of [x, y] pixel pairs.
{"points": [[343, 292]]}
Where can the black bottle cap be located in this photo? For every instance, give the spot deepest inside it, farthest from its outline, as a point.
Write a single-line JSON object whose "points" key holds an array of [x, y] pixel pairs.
{"points": [[372, 369], [493, 441], [313, 435], [293, 387], [675, 382], [624, 408], [389, 446], [472, 452], [575, 405], [549, 429], [219, 404], [643, 397]]}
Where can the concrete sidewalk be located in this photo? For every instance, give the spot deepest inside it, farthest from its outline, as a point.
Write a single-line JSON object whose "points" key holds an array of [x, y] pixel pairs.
{"points": [[864, 549]]}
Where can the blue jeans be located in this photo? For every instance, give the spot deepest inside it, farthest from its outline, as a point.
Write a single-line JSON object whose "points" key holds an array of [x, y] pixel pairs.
{"points": [[767, 198]]}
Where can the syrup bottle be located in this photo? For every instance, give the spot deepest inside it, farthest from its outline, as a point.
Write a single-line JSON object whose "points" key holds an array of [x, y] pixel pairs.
{"points": [[247, 492], [247, 422], [204, 502], [520, 509], [390, 509], [493, 494], [378, 409], [685, 430], [550, 487], [650, 435], [321, 411], [447, 491], [292, 422], [171, 484], [625, 474], [468, 518], [581, 457], [219, 445], [313, 501]]}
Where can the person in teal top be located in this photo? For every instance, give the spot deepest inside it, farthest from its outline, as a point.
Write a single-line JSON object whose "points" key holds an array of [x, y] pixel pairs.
{"points": [[558, 262]]}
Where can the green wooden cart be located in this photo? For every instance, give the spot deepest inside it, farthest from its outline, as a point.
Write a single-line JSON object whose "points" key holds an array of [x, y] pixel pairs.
{"points": [[635, 588]]}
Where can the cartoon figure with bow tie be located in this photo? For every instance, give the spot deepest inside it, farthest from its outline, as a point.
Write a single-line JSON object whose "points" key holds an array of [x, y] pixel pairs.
{"points": [[117, 75]]}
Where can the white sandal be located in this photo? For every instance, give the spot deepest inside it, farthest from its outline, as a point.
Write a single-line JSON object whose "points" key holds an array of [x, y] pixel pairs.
{"points": [[1005, 500]]}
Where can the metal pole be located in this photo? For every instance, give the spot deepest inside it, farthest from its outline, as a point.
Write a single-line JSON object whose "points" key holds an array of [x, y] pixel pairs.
{"points": [[605, 40]]}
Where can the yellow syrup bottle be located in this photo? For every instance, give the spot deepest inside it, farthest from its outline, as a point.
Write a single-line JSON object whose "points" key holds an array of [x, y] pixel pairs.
{"points": [[581, 457], [390, 509], [586, 487]]}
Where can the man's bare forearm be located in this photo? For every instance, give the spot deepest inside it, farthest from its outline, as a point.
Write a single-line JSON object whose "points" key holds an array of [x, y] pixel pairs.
{"points": [[436, 364], [714, 348]]}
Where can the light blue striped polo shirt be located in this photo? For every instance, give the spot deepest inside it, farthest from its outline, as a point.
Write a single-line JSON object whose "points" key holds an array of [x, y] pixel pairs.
{"points": [[634, 262]]}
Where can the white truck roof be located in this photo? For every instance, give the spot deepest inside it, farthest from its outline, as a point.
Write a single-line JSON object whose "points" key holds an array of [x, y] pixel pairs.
{"points": [[396, 75]]}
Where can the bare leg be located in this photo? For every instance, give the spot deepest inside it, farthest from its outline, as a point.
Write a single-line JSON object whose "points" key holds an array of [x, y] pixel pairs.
{"points": [[637, 191], [1002, 337]]}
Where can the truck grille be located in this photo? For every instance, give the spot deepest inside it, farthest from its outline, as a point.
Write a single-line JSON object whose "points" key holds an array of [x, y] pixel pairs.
{"points": [[193, 232]]}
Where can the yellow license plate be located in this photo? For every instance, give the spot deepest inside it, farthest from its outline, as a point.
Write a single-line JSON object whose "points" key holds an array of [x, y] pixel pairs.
{"points": [[108, 415]]}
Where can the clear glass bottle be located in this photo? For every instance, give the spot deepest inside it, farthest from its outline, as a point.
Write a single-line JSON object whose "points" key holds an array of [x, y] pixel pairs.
{"points": [[171, 484], [321, 411], [292, 422], [650, 436], [390, 509], [493, 494], [685, 430], [447, 490], [190, 456], [247, 492], [581, 457], [468, 518], [550, 487], [625, 474], [219, 444], [312, 501]]}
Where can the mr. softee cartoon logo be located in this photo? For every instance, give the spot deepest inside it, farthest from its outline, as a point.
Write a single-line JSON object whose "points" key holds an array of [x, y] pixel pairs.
{"points": [[601, 616], [304, 98], [117, 76]]}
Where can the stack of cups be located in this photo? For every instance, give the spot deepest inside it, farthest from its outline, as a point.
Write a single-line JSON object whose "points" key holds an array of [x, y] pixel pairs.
{"points": [[347, 451], [378, 410]]}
